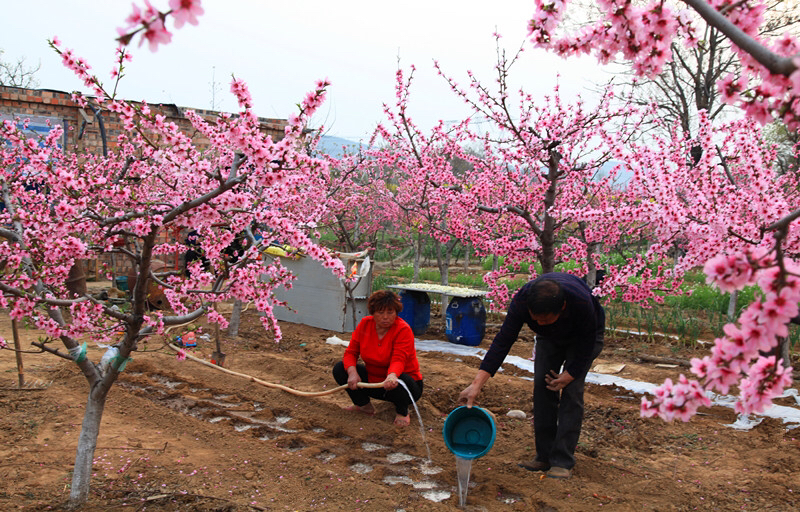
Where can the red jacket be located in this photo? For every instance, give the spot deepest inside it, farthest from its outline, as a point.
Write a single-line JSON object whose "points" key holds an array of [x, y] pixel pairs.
{"points": [[395, 353]]}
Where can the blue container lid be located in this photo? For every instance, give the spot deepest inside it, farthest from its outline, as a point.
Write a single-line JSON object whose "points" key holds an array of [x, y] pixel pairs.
{"points": [[469, 432]]}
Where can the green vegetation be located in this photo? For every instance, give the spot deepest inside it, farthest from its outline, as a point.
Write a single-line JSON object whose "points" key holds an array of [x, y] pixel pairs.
{"points": [[699, 315]]}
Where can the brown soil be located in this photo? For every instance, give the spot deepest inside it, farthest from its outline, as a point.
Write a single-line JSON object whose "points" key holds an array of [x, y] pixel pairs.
{"points": [[182, 436]]}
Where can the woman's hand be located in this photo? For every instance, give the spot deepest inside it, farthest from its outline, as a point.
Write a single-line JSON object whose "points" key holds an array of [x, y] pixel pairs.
{"points": [[391, 382], [353, 378]]}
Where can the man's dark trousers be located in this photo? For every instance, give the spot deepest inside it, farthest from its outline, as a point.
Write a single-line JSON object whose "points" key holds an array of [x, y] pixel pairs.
{"points": [[557, 416]]}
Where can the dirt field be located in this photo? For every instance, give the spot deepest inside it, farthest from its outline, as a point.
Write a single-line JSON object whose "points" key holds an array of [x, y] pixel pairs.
{"points": [[183, 436]]}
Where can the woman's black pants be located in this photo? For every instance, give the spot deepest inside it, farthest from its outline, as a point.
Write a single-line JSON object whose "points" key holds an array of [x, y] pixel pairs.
{"points": [[398, 396]]}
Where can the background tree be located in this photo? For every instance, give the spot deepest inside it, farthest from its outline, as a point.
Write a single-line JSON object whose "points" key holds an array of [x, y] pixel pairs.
{"points": [[540, 168], [17, 73], [420, 168], [765, 89], [786, 142], [360, 207], [61, 208], [688, 83]]}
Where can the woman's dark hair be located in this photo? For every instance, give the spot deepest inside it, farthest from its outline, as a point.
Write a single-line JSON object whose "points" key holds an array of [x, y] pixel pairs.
{"points": [[384, 299], [546, 296]]}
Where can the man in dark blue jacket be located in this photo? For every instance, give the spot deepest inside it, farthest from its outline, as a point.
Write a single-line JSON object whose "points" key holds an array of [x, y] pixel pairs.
{"points": [[569, 323]]}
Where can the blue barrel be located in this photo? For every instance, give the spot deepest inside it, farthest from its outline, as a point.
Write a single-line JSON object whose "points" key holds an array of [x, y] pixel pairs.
{"points": [[416, 310], [465, 321]]}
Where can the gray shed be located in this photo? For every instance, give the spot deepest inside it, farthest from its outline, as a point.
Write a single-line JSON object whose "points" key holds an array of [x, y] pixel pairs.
{"points": [[320, 299]]}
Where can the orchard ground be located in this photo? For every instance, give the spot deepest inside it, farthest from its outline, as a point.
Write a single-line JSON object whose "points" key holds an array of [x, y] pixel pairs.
{"points": [[178, 435]]}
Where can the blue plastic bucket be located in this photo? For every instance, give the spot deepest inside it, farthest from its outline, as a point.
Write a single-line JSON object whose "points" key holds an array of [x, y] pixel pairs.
{"points": [[416, 310], [469, 432], [465, 321], [122, 283]]}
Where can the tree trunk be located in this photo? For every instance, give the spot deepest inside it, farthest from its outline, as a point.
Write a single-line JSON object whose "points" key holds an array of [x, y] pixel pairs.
{"points": [[236, 319], [547, 237], [591, 276], [87, 442], [785, 353], [466, 257], [445, 252], [732, 305], [591, 267], [443, 262], [417, 255]]}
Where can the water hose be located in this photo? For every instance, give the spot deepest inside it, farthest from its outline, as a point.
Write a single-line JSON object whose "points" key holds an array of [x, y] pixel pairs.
{"points": [[271, 384]]}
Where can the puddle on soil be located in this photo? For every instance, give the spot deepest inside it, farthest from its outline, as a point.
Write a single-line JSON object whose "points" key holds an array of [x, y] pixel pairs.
{"points": [[277, 424], [436, 496], [509, 501], [395, 458], [197, 390], [217, 419], [373, 447], [221, 397], [407, 480], [134, 387], [360, 468], [318, 430], [398, 479], [425, 484], [326, 456], [427, 469], [249, 417], [241, 427], [199, 412], [171, 384], [223, 404], [180, 403]]}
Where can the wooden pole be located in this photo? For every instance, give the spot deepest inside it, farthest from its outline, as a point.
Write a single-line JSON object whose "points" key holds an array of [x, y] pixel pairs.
{"points": [[20, 371]]}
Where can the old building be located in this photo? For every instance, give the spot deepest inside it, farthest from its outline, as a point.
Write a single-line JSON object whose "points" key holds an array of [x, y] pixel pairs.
{"points": [[89, 129], [96, 131]]}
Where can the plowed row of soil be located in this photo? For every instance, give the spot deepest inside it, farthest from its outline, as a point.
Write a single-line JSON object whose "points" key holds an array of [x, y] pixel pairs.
{"points": [[177, 435]]}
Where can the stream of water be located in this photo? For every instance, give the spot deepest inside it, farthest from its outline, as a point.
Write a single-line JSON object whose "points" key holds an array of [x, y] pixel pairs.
{"points": [[421, 426], [463, 469]]}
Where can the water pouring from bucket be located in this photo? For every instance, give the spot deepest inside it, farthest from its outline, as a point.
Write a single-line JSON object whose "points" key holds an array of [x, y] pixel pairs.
{"points": [[469, 433]]}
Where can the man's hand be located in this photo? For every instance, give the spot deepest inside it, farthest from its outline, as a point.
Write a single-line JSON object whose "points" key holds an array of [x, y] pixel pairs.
{"points": [[467, 397], [557, 382]]}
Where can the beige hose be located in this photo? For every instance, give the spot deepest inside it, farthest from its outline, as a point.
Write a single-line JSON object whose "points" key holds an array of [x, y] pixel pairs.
{"points": [[272, 385]]}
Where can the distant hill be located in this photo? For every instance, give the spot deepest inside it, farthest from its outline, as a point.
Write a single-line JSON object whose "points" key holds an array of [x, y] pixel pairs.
{"points": [[624, 174], [333, 146]]}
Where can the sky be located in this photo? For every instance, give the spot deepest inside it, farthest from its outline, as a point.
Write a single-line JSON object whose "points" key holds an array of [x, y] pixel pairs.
{"points": [[281, 48]]}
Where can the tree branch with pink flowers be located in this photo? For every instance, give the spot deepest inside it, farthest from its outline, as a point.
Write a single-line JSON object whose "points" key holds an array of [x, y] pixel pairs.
{"points": [[61, 208], [736, 214]]}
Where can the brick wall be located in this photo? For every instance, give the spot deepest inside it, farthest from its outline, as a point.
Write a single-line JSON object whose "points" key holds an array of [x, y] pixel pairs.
{"points": [[82, 132], [83, 127]]}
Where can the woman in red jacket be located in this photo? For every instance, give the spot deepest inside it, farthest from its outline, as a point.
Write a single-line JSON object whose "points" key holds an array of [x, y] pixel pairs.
{"points": [[385, 344]]}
